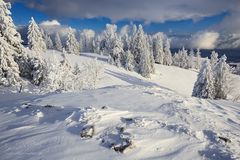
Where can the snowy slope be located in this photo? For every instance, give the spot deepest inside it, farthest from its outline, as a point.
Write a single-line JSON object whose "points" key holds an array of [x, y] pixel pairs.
{"points": [[166, 76], [157, 116]]}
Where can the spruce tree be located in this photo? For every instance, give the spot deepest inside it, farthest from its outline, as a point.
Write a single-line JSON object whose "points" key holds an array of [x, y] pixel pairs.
{"points": [[145, 64], [168, 55], [72, 45], [97, 44], [151, 57], [139, 44], [9, 71], [204, 86], [142, 55], [12, 51], [214, 58], [8, 30], [198, 59], [129, 61], [49, 42], [158, 51], [222, 72], [191, 59], [117, 52], [58, 43], [35, 37], [109, 37]]}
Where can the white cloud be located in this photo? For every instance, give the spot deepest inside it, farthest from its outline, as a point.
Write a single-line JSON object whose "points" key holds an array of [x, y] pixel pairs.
{"points": [[50, 23], [205, 40], [147, 10]]}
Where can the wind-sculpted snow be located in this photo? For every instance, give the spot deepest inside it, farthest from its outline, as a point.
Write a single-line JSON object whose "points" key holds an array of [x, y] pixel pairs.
{"points": [[142, 123]]}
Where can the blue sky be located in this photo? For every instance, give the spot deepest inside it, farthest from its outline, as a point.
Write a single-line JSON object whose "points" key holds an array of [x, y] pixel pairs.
{"points": [[191, 23], [22, 14]]}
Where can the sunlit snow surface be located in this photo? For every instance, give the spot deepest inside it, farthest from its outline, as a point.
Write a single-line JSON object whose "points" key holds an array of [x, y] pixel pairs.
{"points": [[157, 115]]}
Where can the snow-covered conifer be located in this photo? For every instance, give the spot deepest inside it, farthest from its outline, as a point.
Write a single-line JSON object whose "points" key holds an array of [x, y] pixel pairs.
{"points": [[204, 86], [168, 55], [97, 44], [141, 52], [7, 28], [184, 58], [145, 63], [180, 59], [151, 57], [110, 36], [37, 70], [35, 37], [139, 44], [198, 59], [72, 45], [52, 75], [117, 53], [86, 40], [48, 41], [9, 71], [129, 61], [58, 43], [191, 59], [222, 72], [214, 58], [158, 51]]}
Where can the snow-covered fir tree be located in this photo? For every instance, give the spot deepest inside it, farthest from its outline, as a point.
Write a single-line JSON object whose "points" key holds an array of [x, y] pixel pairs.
{"points": [[158, 51], [72, 45], [9, 71], [86, 40], [176, 59], [109, 37], [8, 30], [181, 59], [48, 41], [139, 44], [132, 37], [204, 86], [129, 61], [191, 59], [35, 37], [67, 76], [151, 57], [198, 59], [125, 38], [58, 43], [145, 63], [52, 75], [117, 52], [222, 72], [184, 58], [214, 58], [167, 52], [37, 70], [97, 44], [141, 52]]}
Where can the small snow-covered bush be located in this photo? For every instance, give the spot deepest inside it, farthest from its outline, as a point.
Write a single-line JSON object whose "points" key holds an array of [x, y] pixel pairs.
{"points": [[90, 74], [61, 76]]}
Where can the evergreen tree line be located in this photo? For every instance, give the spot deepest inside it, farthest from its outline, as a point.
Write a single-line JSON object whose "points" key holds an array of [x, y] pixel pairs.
{"points": [[20, 65]]}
